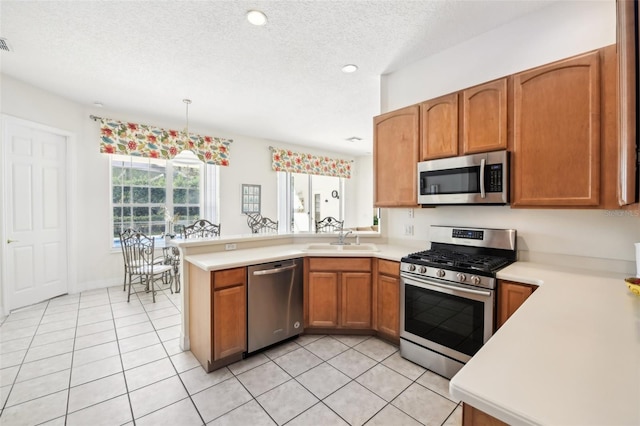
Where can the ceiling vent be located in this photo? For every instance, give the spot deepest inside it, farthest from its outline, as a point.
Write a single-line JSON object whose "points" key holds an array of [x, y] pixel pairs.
{"points": [[4, 45]]}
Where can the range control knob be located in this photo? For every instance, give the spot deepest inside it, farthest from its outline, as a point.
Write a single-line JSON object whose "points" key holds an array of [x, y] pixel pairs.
{"points": [[440, 273], [475, 280], [423, 269], [461, 277], [412, 268]]}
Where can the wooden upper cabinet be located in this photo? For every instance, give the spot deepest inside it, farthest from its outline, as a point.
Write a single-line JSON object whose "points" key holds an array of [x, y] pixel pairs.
{"points": [[439, 127], [484, 117], [396, 154], [556, 134]]}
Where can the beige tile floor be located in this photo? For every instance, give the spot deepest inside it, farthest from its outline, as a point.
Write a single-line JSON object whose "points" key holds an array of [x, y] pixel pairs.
{"points": [[94, 359]]}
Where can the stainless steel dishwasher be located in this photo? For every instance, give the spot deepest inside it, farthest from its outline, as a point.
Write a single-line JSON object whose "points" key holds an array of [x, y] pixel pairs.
{"points": [[274, 299]]}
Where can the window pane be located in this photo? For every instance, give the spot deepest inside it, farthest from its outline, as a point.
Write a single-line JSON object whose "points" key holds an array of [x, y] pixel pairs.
{"points": [[157, 228], [140, 195], [181, 213], [157, 214], [126, 195], [139, 176], [300, 202], [141, 214], [126, 214], [194, 213], [193, 196], [179, 196], [158, 195], [117, 194]]}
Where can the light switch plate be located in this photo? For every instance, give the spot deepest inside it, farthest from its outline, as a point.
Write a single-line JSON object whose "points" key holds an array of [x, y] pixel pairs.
{"points": [[229, 246]]}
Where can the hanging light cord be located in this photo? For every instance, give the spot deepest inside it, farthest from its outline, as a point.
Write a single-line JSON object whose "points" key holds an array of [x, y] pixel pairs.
{"points": [[187, 102]]}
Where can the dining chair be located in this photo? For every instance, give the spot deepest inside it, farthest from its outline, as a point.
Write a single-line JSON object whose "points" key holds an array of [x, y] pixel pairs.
{"points": [[201, 228], [171, 257], [329, 224], [260, 224], [126, 234], [140, 260]]}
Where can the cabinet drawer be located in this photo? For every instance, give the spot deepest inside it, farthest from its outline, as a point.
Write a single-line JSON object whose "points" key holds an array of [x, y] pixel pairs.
{"points": [[340, 264], [388, 267], [229, 277]]}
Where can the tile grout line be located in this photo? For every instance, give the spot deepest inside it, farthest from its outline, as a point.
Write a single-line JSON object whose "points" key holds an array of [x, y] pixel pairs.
{"points": [[174, 368], [124, 376], [4, 405]]}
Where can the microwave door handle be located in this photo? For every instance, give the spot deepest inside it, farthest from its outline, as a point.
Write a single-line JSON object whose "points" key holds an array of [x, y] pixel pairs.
{"points": [[483, 194]]}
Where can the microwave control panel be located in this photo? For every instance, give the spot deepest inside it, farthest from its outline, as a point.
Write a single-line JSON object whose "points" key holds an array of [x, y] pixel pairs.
{"points": [[493, 178]]}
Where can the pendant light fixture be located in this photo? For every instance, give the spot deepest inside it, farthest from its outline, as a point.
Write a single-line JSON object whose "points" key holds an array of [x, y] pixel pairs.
{"points": [[186, 157]]}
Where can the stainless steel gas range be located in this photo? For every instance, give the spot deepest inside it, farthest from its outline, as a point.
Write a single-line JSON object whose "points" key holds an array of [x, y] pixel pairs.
{"points": [[447, 295]]}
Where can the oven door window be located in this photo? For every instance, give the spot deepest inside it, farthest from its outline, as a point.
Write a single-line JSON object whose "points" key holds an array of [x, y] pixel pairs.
{"points": [[464, 180], [452, 321]]}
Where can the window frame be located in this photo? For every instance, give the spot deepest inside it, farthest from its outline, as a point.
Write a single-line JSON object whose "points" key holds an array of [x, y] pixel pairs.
{"points": [[285, 200], [208, 193]]}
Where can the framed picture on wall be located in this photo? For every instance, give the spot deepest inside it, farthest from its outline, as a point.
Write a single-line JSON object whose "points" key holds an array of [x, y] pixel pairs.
{"points": [[251, 198]]}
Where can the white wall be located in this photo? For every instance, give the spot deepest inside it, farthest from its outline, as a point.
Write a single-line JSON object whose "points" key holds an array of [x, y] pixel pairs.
{"points": [[554, 32], [98, 264]]}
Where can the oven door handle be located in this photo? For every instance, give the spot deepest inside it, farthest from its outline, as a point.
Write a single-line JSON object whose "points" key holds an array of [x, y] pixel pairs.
{"points": [[483, 193], [456, 288]]}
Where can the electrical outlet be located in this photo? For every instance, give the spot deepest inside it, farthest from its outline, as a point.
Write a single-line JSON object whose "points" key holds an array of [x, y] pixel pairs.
{"points": [[411, 213], [408, 229], [229, 246]]}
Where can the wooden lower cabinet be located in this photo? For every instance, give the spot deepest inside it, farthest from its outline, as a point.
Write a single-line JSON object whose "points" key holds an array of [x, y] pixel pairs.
{"points": [[229, 321], [338, 293], [217, 316], [471, 416], [388, 299], [356, 300], [323, 296], [511, 296]]}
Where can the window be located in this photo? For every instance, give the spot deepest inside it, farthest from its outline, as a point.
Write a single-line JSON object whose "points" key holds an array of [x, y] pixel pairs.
{"points": [[304, 198], [155, 195]]}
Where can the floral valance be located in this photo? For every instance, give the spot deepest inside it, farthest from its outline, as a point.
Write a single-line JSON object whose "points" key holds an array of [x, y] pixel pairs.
{"points": [[288, 161], [117, 137]]}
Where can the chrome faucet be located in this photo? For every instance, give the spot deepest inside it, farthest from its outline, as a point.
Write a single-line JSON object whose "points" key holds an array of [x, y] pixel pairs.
{"points": [[341, 237]]}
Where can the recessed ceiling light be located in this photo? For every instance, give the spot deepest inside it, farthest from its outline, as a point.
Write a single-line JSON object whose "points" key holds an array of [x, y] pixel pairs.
{"points": [[98, 104], [349, 68], [354, 139], [256, 17]]}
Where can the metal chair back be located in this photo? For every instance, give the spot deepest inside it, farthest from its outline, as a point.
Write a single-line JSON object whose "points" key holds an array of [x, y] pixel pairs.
{"points": [[329, 224]]}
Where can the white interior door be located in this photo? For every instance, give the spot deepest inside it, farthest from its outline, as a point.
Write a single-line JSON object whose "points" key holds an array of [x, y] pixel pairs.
{"points": [[35, 214]]}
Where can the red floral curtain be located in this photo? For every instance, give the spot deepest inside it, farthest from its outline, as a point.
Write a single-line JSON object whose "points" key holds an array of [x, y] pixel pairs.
{"points": [[284, 160], [117, 137]]}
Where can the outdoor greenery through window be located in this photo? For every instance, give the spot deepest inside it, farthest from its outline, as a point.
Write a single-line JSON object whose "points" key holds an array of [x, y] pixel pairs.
{"points": [[153, 195]]}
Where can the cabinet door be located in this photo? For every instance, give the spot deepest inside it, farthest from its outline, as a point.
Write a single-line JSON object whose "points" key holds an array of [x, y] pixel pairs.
{"points": [[395, 155], [356, 300], [556, 134], [439, 127], [389, 305], [323, 299], [510, 297], [229, 321], [484, 117]]}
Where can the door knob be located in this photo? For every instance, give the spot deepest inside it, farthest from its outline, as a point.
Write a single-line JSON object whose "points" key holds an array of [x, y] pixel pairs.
{"points": [[11, 241]]}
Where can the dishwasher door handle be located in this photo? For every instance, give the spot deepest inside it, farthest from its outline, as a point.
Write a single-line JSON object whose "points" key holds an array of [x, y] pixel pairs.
{"points": [[274, 270]]}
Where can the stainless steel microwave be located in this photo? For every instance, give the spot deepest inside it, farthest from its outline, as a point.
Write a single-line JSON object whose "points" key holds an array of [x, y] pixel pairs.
{"points": [[469, 179]]}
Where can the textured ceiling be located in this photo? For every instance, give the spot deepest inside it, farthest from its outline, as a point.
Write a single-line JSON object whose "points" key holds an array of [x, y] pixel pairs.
{"points": [[281, 81]]}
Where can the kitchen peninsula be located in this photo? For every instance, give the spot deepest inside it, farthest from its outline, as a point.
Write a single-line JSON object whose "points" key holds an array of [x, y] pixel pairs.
{"points": [[569, 354]]}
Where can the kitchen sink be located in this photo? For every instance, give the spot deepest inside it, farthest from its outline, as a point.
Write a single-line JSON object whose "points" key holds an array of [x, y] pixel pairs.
{"points": [[328, 247]]}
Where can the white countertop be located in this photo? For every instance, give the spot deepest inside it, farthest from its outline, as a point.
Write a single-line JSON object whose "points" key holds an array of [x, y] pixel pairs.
{"points": [[236, 258], [569, 356]]}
